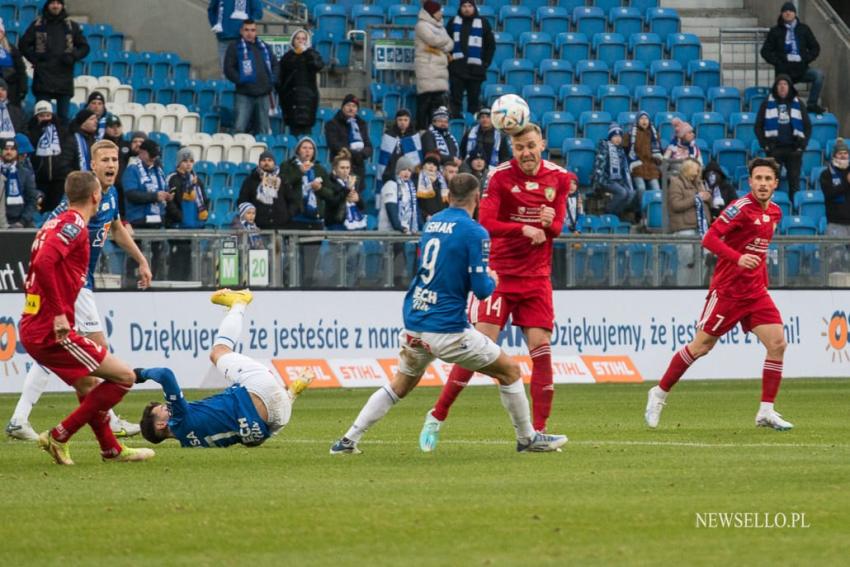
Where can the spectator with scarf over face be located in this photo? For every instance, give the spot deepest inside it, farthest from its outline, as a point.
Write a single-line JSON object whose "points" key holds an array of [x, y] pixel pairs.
{"points": [[486, 140], [298, 88], [347, 130], [52, 44], [716, 183], [54, 154], [11, 115], [18, 195], [308, 187], [13, 70], [249, 64], [474, 47], [431, 61], [345, 210], [835, 184], [226, 17], [83, 130], [783, 129], [438, 138], [264, 189], [644, 148]]}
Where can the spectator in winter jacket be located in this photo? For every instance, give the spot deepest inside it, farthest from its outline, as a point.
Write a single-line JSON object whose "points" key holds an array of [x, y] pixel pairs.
{"points": [[439, 138], [54, 154], [433, 48], [308, 187], [188, 208], [264, 189], [644, 148], [52, 44], [97, 104], [249, 64], [835, 184], [347, 130], [18, 194], [689, 215], [397, 207], [476, 164], [432, 190], [345, 210], [611, 173], [298, 89], [245, 224], [400, 138], [722, 191], [13, 70], [11, 115], [683, 145], [226, 18], [783, 129], [487, 140], [145, 188], [83, 134], [790, 46], [575, 207], [474, 47]]}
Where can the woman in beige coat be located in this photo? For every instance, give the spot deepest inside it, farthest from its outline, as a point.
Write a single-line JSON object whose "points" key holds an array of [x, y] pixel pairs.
{"points": [[683, 194], [433, 49]]}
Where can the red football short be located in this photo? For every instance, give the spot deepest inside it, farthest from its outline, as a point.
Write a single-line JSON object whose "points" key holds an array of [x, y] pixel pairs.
{"points": [[528, 301], [70, 359], [720, 315]]}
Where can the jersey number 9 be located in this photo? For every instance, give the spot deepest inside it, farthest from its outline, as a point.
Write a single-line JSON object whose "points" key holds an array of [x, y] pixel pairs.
{"points": [[429, 260]]}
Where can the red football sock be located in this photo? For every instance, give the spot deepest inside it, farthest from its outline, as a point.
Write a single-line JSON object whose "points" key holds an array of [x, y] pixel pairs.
{"points": [[101, 399], [458, 379], [771, 376], [542, 389], [681, 361]]}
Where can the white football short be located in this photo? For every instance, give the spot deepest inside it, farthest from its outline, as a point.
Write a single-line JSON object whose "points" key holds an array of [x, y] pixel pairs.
{"points": [[470, 349], [86, 316], [259, 380]]}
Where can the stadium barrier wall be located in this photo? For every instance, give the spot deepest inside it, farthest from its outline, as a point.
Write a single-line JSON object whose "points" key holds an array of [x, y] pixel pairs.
{"points": [[351, 338]]}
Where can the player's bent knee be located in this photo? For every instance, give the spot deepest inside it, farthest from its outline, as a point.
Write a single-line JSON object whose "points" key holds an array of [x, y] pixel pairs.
{"points": [[218, 351], [85, 384], [504, 369]]}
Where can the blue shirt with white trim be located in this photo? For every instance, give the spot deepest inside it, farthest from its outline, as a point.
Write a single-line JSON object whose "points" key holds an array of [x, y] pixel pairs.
{"points": [[455, 251]]}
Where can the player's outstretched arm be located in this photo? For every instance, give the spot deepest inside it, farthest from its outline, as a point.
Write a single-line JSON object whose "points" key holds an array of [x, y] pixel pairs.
{"points": [[122, 238], [168, 381]]}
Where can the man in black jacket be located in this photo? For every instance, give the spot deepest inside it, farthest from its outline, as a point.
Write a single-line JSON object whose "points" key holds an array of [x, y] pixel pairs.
{"points": [[53, 43], [474, 47], [347, 130], [265, 190], [249, 64], [54, 155], [483, 137], [835, 184], [790, 47]]}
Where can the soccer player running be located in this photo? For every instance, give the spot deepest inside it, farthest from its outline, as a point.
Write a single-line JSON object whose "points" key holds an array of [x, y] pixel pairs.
{"points": [[59, 262], [738, 293], [523, 209], [87, 319], [455, 252], [256, 406]]}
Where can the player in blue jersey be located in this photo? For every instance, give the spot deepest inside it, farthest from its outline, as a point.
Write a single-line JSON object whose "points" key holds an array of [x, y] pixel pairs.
{"points": [[455, 252], [256, 406], [87, 319]]}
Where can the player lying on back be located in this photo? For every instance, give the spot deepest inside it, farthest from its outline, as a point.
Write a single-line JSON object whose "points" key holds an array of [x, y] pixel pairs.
{"points": [[256, 406], [739, 238], [523, 209], [455, 251]]}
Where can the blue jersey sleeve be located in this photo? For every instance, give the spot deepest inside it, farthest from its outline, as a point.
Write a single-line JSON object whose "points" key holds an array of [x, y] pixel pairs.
{"points": [[173, 394], [60, 208], [478, 248]]}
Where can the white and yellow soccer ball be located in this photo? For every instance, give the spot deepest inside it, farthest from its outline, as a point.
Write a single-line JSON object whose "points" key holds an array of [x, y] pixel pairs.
{"points": [[510, 114]]}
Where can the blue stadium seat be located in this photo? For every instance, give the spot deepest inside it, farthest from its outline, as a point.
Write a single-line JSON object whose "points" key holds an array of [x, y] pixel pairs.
{"points": [[140, 67], [533, 4], [742, 126], [588, 224], [98, 63], [557, 127], [780, 198], [516, 19], [576, 98], [505, 46], [810, 204], [662, 121], [571, 4], [553, 19], [592, 73], [754, 96], [824, 127], [115, 42], [626, 20], [166, 92], [663, 21], [651, 99], [492, 91], [589, 20], [646, 47], [457, 126], [730, 153], [666, 73], [556, 72], [592, 263], [143, 91], [365, 15], [710, 126], [814, 178], [653, 210], [162, 66], [609, 47], [594, 124], [725, 100], [518, 71], [704, 73], [643, 5], [798, 225], [403, 15], [121, 65], [630, 73], [822, 225], [540, 98], [684, 48], [812, 157], [573, 47], [536, 46], [614, 99], [627, 118], [688, 100], [607, 5], [608, 224], [579, 154]]}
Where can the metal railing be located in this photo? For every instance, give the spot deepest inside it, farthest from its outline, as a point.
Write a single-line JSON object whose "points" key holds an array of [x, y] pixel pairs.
{"points": [[747, 41]]}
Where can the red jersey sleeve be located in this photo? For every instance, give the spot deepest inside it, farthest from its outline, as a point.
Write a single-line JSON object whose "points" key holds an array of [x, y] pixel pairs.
{"points": [[560, 204], [488, 211], [53, 250], [713, 239]]}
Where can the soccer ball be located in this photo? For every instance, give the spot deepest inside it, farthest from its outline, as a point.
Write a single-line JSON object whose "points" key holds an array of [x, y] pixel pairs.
{"points": [[510, 113]]}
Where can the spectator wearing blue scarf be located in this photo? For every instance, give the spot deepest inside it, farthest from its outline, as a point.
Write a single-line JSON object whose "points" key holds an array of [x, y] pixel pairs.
{"points": [[611, 173], [13, 70], [18, 195], [226, 17], [486, 140], [472, 54], [348, 130], [249, 64], [308, 187], [791, 46], [97, 104]]}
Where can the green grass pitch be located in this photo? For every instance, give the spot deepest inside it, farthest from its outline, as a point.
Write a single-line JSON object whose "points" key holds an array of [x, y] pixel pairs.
{"points": [[619, 494]]}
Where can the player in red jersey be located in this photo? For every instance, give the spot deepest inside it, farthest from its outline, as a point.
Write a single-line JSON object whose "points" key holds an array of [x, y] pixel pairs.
{"points": [[523, 209], [739, 238], [59, 263]]}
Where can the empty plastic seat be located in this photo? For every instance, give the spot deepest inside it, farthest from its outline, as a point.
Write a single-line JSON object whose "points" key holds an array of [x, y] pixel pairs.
{"points": [[684, 48], [589, 20], [402, 15], [505, 46], [651, 99], [626, 118], [518, 71], [120, 65], [579, 154], [592, 73], [609, 47], [556, 72], [573, 47], [492, 91], [536, 46], [614, 99], [688, 100], [630, 73], [725, 100], [365, 15], [663, 123], [780, 198], [667, 73], [553, 19], [626, 20], [594, 124], [663, 21], [571, 4], [704, 73], [486, 11], [557, 127], [730, 153], [754, 96], [646, 47], [810, 204], [710, 126], [798, 225], [540, 98], [330, 18], [824, 127], [516, 19], [812, 157], [576, 98]]}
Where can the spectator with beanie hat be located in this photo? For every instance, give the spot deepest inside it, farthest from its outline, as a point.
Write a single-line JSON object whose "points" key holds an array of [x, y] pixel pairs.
{"points": [[400, 138], [54, 154], [348, 130], [438, 138], [83, 130], [835, 184], [18, 195], [611, 173], [264, 189], [11, 115], [187, 208], [474, 47], [53, 43], [13, 70], [97, 104], [146, 189], [433, 47], [487, 140]]}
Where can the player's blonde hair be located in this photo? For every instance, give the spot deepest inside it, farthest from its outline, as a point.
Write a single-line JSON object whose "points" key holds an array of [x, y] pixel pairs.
{"points": [[80, 186], [530, 127], [103, 145]]}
